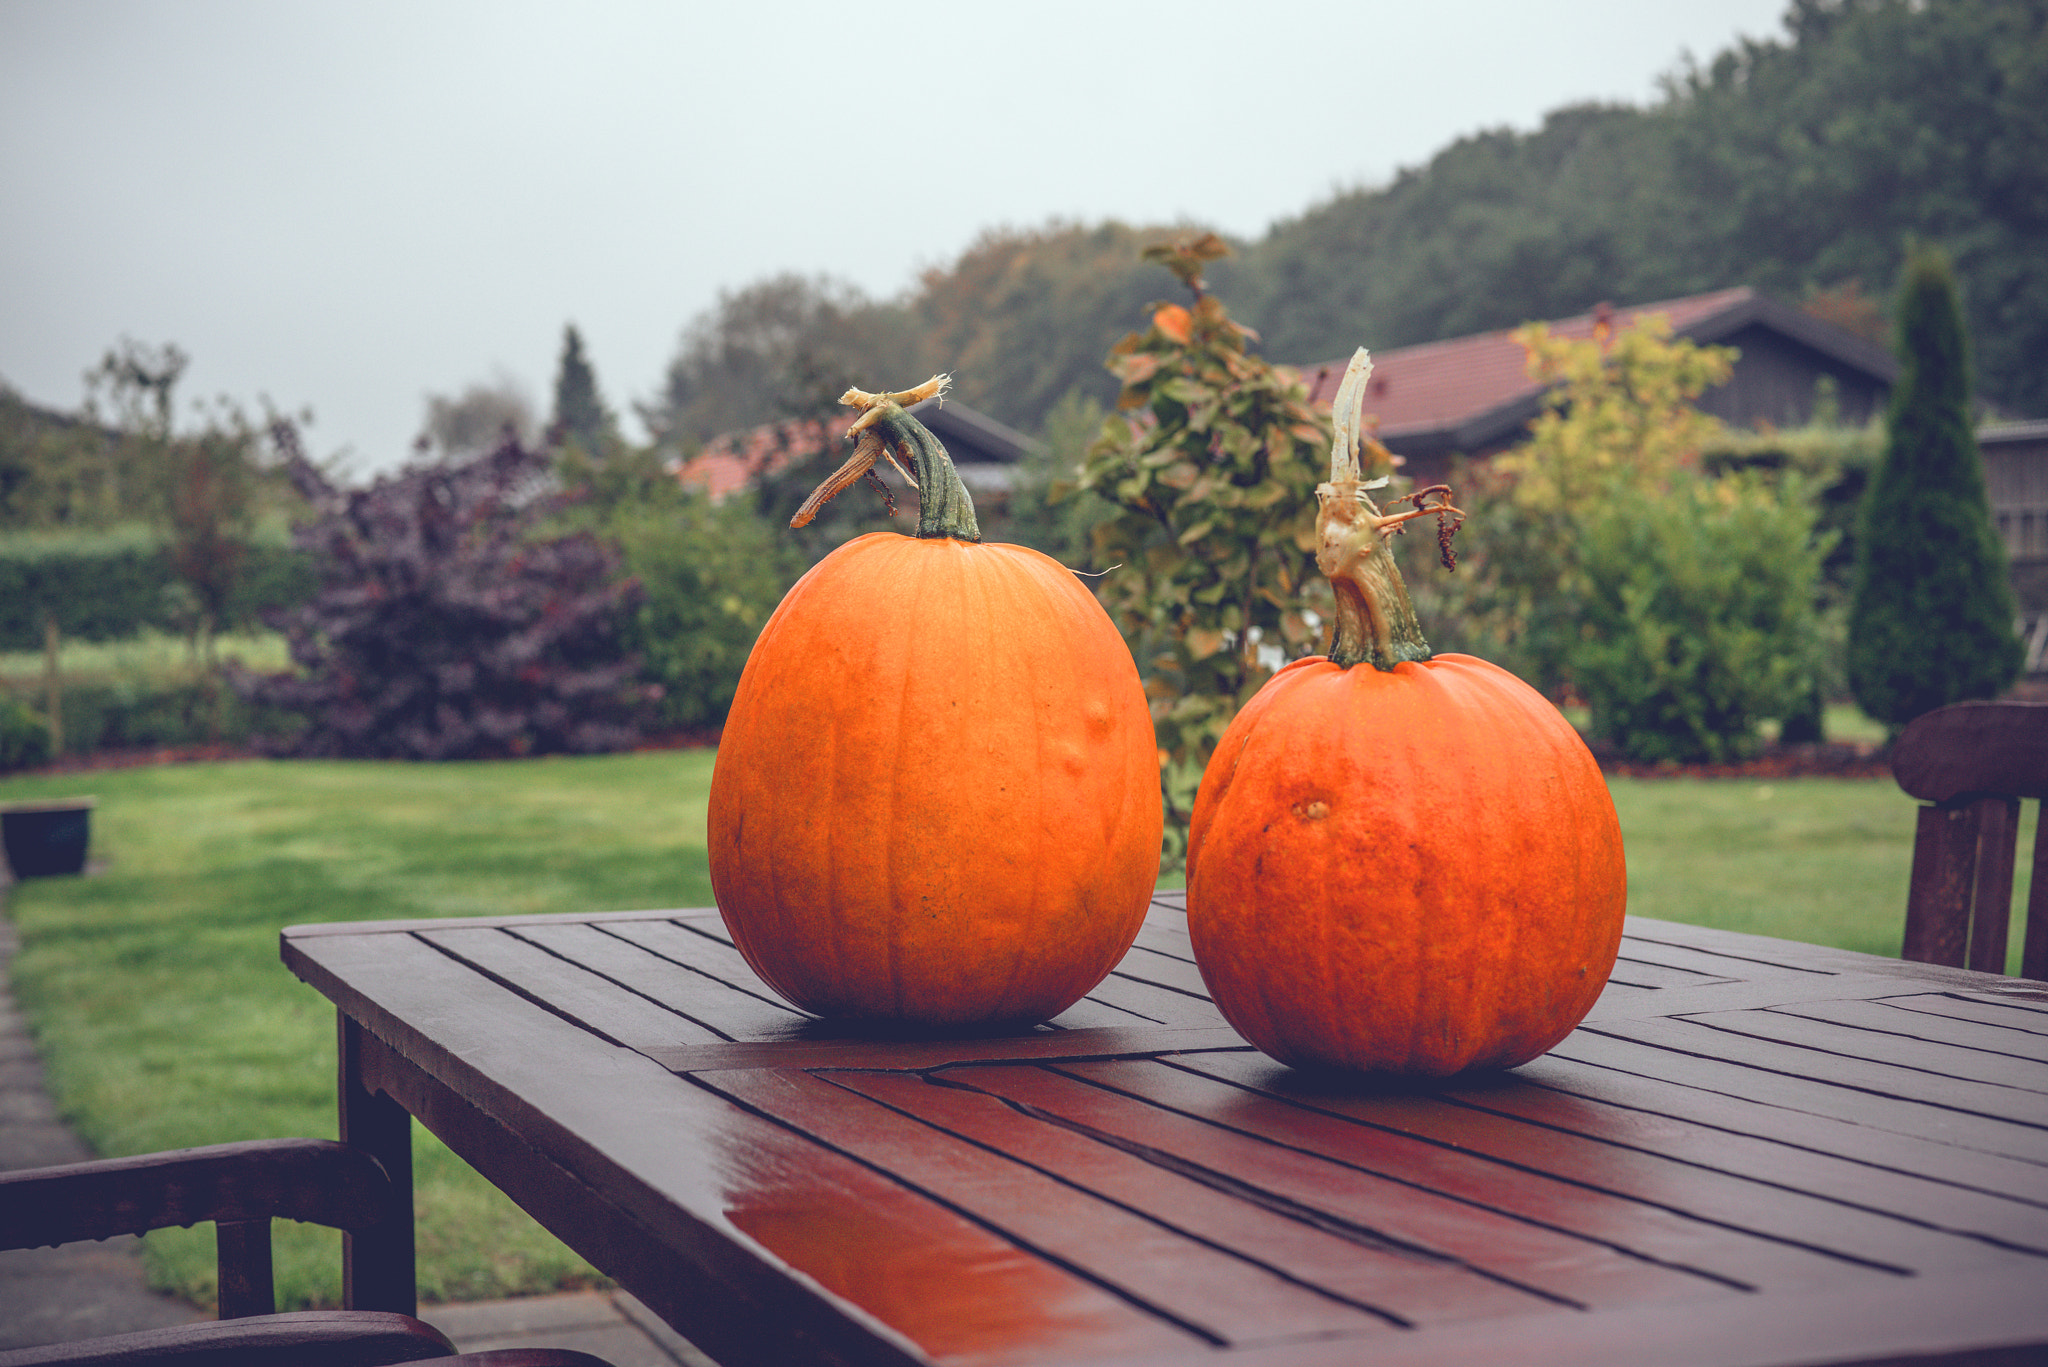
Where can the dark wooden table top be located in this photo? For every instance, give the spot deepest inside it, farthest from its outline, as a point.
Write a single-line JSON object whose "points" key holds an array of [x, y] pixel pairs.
{"points": [[1752, 1152]]}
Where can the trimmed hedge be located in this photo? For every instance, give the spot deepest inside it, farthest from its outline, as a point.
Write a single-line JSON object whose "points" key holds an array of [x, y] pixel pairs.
{"points": [[137, 714], [111, 586]]}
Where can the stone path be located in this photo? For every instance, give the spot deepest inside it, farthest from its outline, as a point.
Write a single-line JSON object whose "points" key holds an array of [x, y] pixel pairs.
{"points": [[84, 1290]]}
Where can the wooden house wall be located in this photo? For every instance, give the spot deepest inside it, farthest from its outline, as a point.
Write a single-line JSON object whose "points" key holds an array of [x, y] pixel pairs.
{"points": [[1776, 379], [2016, 477]]}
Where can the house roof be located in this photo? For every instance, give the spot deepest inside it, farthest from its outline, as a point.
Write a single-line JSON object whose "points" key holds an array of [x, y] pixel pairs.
{"points": [[733, 460], [1469, 393]]}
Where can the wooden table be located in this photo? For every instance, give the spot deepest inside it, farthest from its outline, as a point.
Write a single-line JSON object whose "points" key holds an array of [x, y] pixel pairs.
{"points": [[1752, 1152]]}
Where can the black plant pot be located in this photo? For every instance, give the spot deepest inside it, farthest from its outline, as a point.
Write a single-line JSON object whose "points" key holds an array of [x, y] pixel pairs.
{"points": [[46, 838]]}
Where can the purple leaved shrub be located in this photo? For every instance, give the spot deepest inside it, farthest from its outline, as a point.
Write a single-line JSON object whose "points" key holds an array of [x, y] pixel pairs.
{"points": [[447, 625]]}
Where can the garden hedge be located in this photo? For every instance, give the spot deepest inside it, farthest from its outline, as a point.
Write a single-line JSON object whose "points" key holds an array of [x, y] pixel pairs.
{"points": [[112, 586]]}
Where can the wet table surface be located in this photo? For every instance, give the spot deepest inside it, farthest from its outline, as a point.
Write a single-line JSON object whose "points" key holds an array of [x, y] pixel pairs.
{"points": [[1752, 1152]]}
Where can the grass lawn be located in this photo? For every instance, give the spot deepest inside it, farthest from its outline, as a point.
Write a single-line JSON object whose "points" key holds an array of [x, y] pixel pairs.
{"points": [[167, 1020]]}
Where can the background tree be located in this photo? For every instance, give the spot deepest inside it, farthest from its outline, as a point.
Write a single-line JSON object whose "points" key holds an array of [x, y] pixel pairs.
{"points": [[783, 347], [580, 415], [62, 470], [1794, 164], [1798, 164], [205, 489], [1932, 620], [1022, 318], [473, 422], [1048, 509], [1210, 466]]}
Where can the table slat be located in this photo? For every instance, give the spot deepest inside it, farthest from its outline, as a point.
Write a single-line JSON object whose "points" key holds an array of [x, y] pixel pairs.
{"points": [[1409, 1284], [1313, 1187], [1860, 1030], [1163, 1005], [596, 1003], [1781, 1044], [680, 988], [1717, 1135], [1740, 1066], [1834, 1120], [1886, 1017], [1209, 1291], [755, 1199], [1242, 1092], [1649, 973], [2003, 1015], [1735, 1202]]}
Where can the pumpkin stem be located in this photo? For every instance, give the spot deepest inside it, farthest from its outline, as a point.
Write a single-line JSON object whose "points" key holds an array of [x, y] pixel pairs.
{"points": [[1375, 621], [884, 431]]}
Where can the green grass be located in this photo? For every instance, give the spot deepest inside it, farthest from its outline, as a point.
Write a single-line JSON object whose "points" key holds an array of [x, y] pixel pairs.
{"points": [[1840, 721], [166, 1019], [1820, 860]]}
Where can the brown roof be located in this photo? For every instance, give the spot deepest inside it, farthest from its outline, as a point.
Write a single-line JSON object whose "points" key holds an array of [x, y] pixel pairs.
{"points": [[1470, 392]]}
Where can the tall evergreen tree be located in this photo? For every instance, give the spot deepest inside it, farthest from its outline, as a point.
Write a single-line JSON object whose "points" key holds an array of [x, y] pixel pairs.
{"points": [[580, 414], [1932, 619]]}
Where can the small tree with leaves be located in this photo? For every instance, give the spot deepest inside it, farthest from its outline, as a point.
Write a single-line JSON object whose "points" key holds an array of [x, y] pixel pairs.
{"points": [[1932, 618], [1617, 427], [1678, 603], [446, 626], [1211, 467]]}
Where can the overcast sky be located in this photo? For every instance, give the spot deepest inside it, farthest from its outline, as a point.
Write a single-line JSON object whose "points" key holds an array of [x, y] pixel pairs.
{"points": [[349, 206]]}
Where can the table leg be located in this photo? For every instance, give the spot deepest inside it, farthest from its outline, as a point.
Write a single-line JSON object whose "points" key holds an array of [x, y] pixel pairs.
{"points": [[377, 1267]]}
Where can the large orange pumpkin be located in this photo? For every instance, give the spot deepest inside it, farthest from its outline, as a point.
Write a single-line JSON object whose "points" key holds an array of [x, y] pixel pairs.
{"points": [[1399, 862], [936, 798]]}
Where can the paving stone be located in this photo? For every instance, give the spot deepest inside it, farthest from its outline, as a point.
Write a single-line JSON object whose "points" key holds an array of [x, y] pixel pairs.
{"points": [[611, 1325]]}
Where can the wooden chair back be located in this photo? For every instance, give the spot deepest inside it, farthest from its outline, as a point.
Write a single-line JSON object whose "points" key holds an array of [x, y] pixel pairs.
{"points": [[1971, 763]]}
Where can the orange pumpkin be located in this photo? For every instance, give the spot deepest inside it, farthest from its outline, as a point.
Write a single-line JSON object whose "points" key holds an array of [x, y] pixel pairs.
{"points": [[936, 797], [1398, 862]]}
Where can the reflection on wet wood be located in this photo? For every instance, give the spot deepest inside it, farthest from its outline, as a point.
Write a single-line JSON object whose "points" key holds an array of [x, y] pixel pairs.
{"points": [[1746, 1137]]}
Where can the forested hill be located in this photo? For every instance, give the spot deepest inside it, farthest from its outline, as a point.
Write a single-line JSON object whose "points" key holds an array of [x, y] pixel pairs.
{"points": [[1801, 164], [1796, 165]]}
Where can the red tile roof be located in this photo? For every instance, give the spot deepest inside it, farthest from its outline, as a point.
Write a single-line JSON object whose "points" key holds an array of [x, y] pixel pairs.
{"points": [[1441, 385], [733, 460]]}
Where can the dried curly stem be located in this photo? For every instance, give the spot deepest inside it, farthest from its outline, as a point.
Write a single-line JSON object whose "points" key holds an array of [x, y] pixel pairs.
{"points": [[1375, 621], [883, 431]]}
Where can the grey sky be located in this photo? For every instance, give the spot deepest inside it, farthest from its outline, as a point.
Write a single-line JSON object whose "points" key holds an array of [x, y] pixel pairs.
{"points": [[351, 205]]}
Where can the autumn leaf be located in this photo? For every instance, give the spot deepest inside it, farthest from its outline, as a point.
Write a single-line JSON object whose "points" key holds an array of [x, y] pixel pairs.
{"points": [[1173, 321]]}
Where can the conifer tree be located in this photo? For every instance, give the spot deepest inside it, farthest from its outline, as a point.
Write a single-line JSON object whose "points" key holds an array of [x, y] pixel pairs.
{"points": [[580, 414], [1933, 617]]}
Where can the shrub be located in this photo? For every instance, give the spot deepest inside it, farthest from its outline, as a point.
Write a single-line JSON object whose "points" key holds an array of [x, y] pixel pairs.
{"points": [[24, 736], [445, 627], [710, 575], [1699, 617]]}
